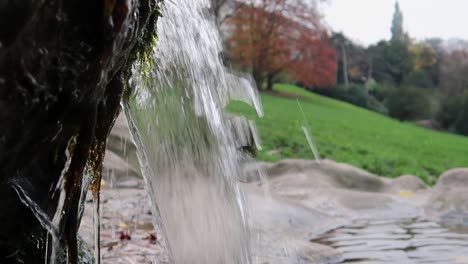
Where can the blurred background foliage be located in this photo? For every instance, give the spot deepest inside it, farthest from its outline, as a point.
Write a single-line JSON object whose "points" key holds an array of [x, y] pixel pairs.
{"points": [[287, 43]]}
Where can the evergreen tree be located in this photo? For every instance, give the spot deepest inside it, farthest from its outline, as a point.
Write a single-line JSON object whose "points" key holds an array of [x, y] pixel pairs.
{"points": [[398, 34]]}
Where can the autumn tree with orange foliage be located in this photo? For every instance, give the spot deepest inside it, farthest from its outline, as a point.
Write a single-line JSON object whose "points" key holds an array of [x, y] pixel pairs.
{"points": [[271, 38]]}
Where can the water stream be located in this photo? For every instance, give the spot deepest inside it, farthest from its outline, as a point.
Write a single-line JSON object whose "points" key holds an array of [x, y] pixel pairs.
{"points": [[306, 129], [188, 153], [43, 219]]}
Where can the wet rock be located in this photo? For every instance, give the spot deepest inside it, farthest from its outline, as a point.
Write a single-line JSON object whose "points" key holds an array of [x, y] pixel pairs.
{"points": [[350, 177], [243, 134], [125, 227], [254, 171], [363, 201], [326, 173], [64, 67], [447, 202], [113, 163], [121, 129], [408, 183], [449, 199], [335, 189], [282, 229], [309, 252], [301, 213], [399, 241], [454, 178], [449, 206], [121, 152], [388, 228]]}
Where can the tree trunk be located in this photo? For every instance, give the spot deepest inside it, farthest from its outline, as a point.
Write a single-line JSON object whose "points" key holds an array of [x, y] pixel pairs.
{"points": [[370, 71], [258, 78], [270, 82], [63, 71], [345, 66]]}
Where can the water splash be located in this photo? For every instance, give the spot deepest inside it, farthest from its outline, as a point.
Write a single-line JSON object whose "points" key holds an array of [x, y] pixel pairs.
{"points": [[44, 220], [97, 229], [308, 134], [187, 151]]}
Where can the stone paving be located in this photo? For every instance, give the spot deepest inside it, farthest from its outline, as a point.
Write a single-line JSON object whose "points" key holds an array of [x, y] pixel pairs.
{"points": [[309, 212]]}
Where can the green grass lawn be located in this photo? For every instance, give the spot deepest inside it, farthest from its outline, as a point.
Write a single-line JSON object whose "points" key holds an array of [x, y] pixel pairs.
{"points": [[353, 135]]}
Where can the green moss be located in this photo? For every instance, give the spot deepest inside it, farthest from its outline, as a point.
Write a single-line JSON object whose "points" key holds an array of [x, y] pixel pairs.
{"points": [[144, 47]]}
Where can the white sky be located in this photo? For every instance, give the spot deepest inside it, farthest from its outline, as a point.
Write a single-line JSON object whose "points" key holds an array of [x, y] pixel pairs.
{"points": [[368, 21]]}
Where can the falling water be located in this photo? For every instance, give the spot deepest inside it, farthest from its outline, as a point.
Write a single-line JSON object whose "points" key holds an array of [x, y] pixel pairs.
{"points": [[189, 157], [308, 134], [43, 219], [97, 230]]}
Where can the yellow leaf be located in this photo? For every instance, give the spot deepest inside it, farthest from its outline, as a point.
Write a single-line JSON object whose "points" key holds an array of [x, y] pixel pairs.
{"points": [[123, 225], [406, 194]]}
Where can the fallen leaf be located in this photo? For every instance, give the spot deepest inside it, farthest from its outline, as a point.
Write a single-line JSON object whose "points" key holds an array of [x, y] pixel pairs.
{"points": [[406, 194], [123, 225]]}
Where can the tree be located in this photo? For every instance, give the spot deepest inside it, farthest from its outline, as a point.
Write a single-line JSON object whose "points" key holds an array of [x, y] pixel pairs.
{"points": [[423, 55], [424, 64], [391, 61], [352, 60], [454, 66], [377, 60], [453, 113], [436, 44], [274, 37], [461, 123], [398, 35], [409, 103]]}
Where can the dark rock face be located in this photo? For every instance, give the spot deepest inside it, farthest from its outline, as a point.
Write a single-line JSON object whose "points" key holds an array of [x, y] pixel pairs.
{"points": [[63, 72]]}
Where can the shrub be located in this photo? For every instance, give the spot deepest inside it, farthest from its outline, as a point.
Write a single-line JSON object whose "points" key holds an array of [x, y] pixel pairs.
{"points": [[355, 94], [418, 79], [448, 112], [376, 106], [461, 125], [409, 103], [453, 114]]}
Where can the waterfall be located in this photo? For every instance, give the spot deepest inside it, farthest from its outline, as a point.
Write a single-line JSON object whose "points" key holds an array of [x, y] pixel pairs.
{"points": [[186, 146]]}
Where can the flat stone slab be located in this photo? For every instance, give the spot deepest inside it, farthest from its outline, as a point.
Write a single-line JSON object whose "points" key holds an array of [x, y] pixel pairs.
{"points": [[422, 241]]}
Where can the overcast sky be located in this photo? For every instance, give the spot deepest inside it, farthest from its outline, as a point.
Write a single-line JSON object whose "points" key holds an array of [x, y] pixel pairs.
{"points": [[368, 21]]}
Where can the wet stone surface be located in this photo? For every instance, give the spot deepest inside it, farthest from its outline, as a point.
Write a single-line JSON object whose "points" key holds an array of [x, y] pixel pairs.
{"points": [[128, 236], [306, 213], [127, 232], [397, 241]]}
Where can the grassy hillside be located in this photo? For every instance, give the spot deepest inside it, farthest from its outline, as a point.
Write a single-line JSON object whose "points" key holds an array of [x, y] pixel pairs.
{"points": [[353, 135]]}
